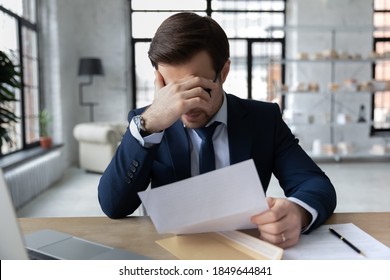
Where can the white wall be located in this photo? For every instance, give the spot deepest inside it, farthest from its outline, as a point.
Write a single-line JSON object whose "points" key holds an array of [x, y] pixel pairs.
{"points": [[81, 28]]}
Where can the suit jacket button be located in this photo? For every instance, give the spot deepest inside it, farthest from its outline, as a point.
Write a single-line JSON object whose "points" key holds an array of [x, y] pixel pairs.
{"points": [[128, 180], [130, 174], [135, 163], [133, 169]]}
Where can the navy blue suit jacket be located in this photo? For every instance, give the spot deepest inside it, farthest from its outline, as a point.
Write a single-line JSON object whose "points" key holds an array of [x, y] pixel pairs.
{"points": [[255, 130]]}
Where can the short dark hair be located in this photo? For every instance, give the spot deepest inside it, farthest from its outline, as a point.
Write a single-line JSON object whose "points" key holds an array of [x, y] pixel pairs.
{"points": [[183, 35]]}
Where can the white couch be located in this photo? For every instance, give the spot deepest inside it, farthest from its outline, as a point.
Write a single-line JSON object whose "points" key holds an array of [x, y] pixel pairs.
{"points": [[97, 143]]}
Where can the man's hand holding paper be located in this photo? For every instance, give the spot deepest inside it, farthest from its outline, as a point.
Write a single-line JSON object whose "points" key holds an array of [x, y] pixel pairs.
{"points": [[282, 223]]}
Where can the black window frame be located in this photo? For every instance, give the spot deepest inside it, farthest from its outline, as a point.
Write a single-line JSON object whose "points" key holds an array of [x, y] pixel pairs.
{"points": [[209, 12], [377, 131], [21, 23]]}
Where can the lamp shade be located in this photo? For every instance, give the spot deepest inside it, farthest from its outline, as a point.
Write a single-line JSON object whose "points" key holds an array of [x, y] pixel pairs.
{"points": [[90, 66]]}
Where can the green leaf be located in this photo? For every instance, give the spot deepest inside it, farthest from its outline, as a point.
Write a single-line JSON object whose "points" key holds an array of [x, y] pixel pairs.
{"points": [[9, 81]]}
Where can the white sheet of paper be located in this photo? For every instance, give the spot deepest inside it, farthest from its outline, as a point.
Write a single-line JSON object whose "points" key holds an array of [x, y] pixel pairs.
{"points": [[220, 200], [320, 244]]}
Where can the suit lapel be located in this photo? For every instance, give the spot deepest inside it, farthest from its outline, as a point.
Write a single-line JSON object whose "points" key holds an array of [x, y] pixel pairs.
{"points": [[179, 149], [239, 131]]}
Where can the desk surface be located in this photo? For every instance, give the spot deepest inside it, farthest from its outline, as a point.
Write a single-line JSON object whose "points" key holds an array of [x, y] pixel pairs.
{"points": [[137, 234]]}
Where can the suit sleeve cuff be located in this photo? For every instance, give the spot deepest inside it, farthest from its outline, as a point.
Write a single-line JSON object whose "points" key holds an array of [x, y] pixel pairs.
{"points": [[147, 141], [311, 210]]}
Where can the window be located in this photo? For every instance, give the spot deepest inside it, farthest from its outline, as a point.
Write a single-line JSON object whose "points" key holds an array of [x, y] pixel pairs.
{"points": [[18, 31], [381, 99], [244, 22]]}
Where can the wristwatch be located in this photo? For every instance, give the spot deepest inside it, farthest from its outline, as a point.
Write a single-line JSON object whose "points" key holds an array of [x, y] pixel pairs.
{"points": [[139, 121]]}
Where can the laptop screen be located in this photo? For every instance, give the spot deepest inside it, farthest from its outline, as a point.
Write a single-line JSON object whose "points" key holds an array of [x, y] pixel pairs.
{"points": [[43, 243], [11, 240]]}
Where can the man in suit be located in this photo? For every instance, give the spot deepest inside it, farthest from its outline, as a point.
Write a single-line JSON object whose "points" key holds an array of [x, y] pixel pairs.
{"points": [[190, 55]]}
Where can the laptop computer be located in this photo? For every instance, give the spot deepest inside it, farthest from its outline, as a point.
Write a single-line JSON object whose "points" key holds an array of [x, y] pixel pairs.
{"points": [[48, 244]]}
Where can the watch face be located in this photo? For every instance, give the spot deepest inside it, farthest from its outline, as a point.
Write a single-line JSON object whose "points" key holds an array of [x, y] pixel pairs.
{"points": [[138, 122]]}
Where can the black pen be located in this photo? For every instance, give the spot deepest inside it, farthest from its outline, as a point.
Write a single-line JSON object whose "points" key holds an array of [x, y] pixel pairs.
{"points": [[346, 241]]}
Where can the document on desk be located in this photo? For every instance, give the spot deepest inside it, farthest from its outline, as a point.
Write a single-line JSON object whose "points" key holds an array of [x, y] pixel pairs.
{"points": [[227, 245], [221, 200], [322, 245]]}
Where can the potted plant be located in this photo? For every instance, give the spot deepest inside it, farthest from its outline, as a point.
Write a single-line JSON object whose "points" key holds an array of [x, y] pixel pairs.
{"points": [[45, 139], [8, 83]]}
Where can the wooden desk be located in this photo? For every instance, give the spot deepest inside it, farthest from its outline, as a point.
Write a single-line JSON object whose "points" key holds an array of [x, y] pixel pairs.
{"points": [[137, 234]]}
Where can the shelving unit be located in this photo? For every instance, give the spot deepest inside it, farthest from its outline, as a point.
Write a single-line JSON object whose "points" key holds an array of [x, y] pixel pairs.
{"points": [[331, 66]]}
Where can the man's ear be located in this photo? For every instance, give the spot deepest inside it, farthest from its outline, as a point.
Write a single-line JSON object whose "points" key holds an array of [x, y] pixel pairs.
{"points": [[225, 71]]}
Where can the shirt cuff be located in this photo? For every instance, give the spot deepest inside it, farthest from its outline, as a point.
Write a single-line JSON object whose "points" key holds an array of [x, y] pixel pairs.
{"points": [[311, 210], [148, 141]]}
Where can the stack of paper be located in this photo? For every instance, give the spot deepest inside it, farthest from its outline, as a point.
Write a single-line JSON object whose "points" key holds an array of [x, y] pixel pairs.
{"points": [[229, 245]]}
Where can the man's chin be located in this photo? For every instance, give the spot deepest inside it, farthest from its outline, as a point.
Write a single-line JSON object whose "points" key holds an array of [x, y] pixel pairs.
{"points": [[193, 123]]}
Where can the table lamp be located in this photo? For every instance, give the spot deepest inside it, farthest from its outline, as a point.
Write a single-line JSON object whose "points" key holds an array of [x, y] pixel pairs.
{"points": [[89, 66]]}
